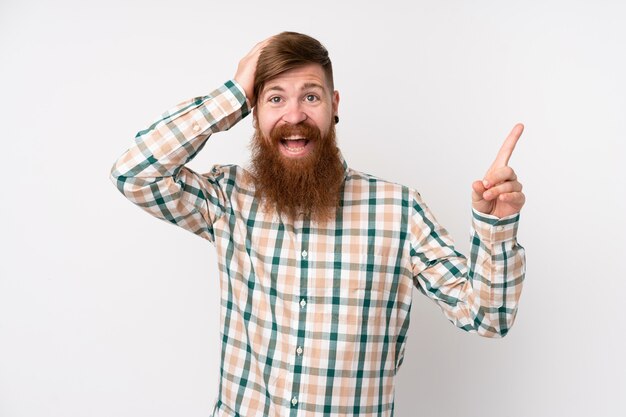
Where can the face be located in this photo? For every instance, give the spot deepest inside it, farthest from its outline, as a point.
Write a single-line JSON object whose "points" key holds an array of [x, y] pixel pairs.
{"points": [[296, 165], [301, 95]]}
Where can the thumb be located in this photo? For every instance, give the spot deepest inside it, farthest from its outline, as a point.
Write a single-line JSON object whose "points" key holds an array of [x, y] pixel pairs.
{"points": [[478, 189]]}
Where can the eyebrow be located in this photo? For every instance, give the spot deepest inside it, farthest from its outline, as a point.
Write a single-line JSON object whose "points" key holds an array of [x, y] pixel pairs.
{"points": [[305, 86], [312, 85]]}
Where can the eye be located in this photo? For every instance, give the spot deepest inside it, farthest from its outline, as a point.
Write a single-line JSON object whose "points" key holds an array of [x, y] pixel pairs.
{"points": [[274, 99], [311, 98]]}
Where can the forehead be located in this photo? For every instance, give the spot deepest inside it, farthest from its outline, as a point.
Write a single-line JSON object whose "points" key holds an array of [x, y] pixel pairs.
{"points": [[306, 76]]}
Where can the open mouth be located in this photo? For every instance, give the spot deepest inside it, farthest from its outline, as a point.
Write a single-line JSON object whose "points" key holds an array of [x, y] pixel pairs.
{"points": [[294, 144]]}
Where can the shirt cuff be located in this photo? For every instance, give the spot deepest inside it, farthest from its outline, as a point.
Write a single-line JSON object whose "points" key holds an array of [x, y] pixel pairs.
{"points": [[494, 229], [240, 93]]}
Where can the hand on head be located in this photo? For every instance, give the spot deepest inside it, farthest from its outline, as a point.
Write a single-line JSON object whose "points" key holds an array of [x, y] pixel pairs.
{"points": [[247, 68]]}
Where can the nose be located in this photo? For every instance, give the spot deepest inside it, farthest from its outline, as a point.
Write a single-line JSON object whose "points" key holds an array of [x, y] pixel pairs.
{"points": [[294, 113]]}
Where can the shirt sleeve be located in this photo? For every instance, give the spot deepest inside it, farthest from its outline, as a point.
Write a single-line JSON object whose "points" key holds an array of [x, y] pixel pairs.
{"points": [[152, 172], [479, 294]]}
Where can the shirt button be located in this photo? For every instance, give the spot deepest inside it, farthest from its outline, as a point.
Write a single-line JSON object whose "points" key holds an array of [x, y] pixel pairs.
{"points": [[304, 253], [302, 303], [299, 351], [294, 401], [500, 228], [196, 128]]}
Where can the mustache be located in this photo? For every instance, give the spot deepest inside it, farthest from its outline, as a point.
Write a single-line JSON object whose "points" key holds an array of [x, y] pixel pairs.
{"points": [[303, 129]]}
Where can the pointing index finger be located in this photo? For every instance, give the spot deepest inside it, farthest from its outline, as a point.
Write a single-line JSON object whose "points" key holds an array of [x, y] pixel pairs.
{"points": [[504, 154]]}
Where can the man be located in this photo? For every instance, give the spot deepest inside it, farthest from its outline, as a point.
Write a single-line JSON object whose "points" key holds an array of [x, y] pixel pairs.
{"points": [[317, 261]]}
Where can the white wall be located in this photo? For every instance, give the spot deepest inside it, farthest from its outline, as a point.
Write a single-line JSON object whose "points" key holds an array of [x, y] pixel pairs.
{"points": [[105, 311]]}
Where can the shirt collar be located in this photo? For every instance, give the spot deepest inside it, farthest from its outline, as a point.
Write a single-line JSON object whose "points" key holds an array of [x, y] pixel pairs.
{"points": [[344, 164]]}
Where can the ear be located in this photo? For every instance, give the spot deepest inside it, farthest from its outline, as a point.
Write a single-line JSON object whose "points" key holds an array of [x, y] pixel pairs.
{"points": [[335, 102], [254, 118]]}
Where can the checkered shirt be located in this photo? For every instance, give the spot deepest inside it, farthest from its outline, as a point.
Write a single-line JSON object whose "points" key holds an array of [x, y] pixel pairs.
{"points": [[314, 317]]}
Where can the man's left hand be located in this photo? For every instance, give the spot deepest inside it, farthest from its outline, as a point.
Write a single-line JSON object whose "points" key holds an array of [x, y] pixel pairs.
{"points": [[500, 193]]}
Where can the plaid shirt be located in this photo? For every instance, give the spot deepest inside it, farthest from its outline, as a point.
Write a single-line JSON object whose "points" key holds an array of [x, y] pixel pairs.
{"points": [[315, 317]]}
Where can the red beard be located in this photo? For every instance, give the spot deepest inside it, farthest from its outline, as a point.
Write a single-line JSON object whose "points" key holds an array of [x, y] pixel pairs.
{"points": [[306, 186]]}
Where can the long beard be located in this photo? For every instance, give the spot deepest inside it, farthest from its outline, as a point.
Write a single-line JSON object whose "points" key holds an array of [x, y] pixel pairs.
{"points": [[307, 186]]}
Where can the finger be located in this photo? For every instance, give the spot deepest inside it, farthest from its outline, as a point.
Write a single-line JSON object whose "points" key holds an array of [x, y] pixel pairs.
{"points": [[259, 46], [516, 199], [252, 57], [504, 154], [504, 188], [497, 175]]}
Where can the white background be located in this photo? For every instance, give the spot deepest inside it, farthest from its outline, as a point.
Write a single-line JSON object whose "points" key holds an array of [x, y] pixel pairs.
{"points": [[106, 311]]}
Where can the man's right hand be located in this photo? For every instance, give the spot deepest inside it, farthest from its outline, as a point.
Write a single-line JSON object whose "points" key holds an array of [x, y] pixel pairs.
{"points": [[247, 69]]}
